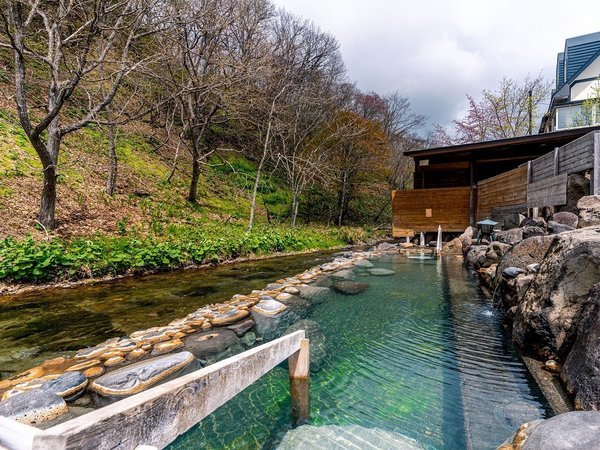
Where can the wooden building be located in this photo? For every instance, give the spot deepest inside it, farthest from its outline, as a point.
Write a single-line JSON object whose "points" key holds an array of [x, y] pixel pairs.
{"points": [[446, 181]]}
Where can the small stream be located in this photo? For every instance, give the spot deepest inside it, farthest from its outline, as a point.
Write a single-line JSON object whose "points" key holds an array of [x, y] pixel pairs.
{"points": [[41, 325]]}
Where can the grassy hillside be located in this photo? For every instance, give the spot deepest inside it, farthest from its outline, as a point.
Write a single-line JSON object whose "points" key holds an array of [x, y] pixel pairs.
{"points": [[148, 224]]}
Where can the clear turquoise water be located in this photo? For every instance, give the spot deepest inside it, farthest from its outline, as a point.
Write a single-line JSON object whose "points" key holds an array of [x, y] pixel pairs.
{"points": [[420, 353]]}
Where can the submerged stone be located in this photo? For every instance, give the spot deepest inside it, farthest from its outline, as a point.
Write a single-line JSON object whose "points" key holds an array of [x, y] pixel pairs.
{"points": [[378, 272], [350, 287], [363, 263], [249, 339], [139, 376], [345, 274], [69, 385], [33, 407], [313, 293], [334, 437], [314, 332], [573, 430], [271, 317]]}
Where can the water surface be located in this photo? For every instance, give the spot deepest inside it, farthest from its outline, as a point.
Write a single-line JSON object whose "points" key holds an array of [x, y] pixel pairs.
{"points": [[420, 353], [41, 325]]}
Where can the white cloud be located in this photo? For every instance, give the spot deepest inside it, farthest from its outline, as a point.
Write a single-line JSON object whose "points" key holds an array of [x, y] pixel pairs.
{"points": [[436, 51]]}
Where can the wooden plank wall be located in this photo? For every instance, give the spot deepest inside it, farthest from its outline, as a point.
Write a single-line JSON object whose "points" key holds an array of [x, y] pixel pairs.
{"points": [[507, 189], [449, 207], [548, 192], [573, 157]]}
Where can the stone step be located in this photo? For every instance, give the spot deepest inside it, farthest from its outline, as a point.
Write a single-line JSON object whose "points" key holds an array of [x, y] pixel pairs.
{"points": [[351, 437]]}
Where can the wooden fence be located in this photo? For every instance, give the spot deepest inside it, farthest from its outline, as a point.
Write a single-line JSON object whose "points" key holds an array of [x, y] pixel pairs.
{"points": [[502, 192], [547, 175], [424, 209], [154, 418]]}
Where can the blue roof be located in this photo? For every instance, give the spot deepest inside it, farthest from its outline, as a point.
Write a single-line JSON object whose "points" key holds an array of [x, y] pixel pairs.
{"points": [[579, 52]]}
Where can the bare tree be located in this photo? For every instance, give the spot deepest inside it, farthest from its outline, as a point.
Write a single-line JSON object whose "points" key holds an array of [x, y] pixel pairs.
{"points": [[59, 46]]}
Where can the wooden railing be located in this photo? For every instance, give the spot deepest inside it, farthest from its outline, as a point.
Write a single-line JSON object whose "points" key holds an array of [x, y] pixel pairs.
{"points": [[154, 418]]}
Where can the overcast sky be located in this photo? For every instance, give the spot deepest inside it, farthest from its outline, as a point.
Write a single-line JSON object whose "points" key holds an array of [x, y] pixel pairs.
{"points": [[436, 51]]}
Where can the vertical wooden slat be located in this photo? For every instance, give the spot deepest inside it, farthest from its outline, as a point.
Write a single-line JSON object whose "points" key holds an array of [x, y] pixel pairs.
{"points": [[596, 169], [556, 151], [299, 366]]}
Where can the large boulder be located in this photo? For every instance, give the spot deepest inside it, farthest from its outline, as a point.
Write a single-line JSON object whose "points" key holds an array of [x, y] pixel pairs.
{"points": [[530, 231], [511, 237], [533, 222], [581, 371], [496, 250], [475, 257], [547, 318], [139, 376], [513, 221], [566, 218], [572, 430], [589, 211], [467, 238], [557, 228], [526, 252], [454, 247], [577, 186]]}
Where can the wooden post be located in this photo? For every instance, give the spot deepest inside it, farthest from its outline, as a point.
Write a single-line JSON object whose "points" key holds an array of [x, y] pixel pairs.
{"points": [[595, 188], [299, 364], [556, 150], [528, 183], [471, 194]]}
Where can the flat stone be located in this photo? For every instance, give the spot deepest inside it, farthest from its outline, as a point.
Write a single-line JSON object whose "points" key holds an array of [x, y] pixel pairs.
{"points": [[84, 365], [231, 316], [114, 361], [268, 306], [242, 327], [33, 407], [211, 343], [92, 352], [111, 354], [94, 372], [350, 287], [292, 290], [139, 376], [378, 272], [166, 347], [69, 385], [137, 353]]}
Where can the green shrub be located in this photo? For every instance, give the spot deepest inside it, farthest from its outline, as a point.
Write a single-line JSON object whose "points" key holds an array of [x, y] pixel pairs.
{"points": [[175, 246]]}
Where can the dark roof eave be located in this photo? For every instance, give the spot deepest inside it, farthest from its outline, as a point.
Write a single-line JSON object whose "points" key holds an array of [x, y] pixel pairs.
{"points": [[521, 140]]}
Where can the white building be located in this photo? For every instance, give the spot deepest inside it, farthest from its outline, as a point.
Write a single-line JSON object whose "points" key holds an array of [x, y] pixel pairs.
{"points": [[577, 82]]}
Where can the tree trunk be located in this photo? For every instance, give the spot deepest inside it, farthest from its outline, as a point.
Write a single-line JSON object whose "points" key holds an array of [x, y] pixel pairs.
{"points": [[111, 181], [48, 202], [295, 202], [258, 171], [192, 196], [343, 199]]}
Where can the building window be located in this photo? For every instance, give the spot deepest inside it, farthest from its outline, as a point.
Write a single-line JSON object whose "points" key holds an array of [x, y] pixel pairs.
{"points": [[576, 116]]}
